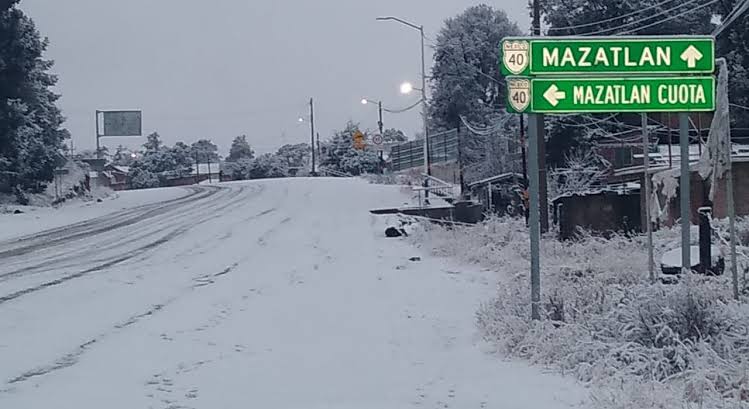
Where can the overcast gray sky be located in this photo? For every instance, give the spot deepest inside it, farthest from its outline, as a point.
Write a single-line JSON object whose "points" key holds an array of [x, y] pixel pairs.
{"points": [[220, 68]]}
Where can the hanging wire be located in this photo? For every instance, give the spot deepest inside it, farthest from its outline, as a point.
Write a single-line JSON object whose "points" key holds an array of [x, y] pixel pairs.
{"points": [[400, 111], [661, 13], [608, 20], [732, 16], [670, 18]]}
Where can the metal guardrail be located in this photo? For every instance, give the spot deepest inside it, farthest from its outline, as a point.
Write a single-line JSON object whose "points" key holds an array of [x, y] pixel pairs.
{"points": [[443, 147]]}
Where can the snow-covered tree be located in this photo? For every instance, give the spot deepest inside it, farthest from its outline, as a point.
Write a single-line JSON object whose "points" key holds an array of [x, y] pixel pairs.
{"points": [[239, 169], [393, 135], [341, 156], [297, 155], [153, 142], [143, 178], [733, 44], [636, 17], [582, 171], [183, 159], [267, 166], [205, 150], [466, 80], [31, 134], [123, 156], [240, 149]]}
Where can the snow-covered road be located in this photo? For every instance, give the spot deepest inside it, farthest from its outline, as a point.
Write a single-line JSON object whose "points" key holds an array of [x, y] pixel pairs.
{"points": [[264, 294]]}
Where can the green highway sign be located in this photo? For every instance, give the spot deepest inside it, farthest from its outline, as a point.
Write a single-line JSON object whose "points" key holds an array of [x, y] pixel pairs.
{"points": [[597, 95], [536, 56]]}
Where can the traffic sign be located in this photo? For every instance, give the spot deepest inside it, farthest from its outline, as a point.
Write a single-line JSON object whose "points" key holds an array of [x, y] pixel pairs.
{"points": [[534, 56], [596, 95], [377, 140], [358, 138]]}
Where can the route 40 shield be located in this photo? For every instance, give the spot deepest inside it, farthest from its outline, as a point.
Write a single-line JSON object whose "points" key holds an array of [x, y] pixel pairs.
{"points": [[519, 93], [515, 56]]}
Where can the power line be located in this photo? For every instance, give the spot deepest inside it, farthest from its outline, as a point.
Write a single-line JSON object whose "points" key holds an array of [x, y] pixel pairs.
{"points": [[732, 16], [400, 111], [671, 17], [595, 23], [740, 106], [660, 13]]}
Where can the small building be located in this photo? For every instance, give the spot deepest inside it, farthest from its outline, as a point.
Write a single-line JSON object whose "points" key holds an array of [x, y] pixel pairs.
{"points": [[115, 177], [603, 211]]}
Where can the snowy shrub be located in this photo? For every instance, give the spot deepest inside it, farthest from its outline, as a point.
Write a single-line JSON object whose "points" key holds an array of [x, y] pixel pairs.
{"points": [[638, 344], [143, 179]]}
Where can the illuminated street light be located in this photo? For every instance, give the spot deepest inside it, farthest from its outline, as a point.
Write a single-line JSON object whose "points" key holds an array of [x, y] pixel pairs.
{"points": [[406, 88]]}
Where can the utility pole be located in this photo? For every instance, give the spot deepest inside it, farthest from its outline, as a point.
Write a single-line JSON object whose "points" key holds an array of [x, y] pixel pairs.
{"points": [[522, 147], [537, 188], [98, 147], [379, 122], [312, 133], [460, 160], [209, 169], [319, 148], [685, 191], [427, 162], [543, 190], [197, 168], [646, 179]]}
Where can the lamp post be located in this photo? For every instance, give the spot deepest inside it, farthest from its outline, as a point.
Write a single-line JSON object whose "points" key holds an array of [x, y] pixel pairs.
{"points": [[366, 101], [409, 88]]}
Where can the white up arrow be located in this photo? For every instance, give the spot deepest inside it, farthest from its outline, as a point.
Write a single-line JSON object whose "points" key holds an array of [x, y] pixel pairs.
{"points": [[691, 55], [553, 95]]}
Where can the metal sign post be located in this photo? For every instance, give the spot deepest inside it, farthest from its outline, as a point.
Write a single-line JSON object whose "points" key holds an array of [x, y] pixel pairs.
{"points": [[535, 133], [684, 192], [564, 75], [647, 181]]}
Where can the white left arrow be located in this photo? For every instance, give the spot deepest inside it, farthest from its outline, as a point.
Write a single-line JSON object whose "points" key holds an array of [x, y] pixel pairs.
{"points": [[553, 95], [691, 55]]}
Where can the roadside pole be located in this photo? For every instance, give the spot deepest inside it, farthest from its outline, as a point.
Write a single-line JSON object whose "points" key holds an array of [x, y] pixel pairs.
{"points": [[312, 133], [98, 135], [646, 179], [535, 133], [684, 192], [732, 227]]}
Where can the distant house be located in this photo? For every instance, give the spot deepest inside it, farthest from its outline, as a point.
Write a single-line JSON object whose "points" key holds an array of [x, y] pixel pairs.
{"points": [[201, 173], [116, 177]]}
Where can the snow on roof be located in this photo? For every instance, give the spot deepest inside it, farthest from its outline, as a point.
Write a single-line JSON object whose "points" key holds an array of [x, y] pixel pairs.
{"points": [[121, 169], [497, 178]]}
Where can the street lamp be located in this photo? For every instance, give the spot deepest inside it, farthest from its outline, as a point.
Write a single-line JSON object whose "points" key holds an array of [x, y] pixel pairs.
{"points": [[366, 101], [407, 87]]}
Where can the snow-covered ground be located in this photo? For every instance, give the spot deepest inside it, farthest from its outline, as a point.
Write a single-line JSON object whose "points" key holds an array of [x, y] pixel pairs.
{"points": [[266, 294], [35, 219]]}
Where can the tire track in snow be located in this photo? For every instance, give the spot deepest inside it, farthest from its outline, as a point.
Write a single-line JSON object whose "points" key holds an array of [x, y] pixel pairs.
{"points": [[99, 225], [212, 210], [177, 214], [74, 356]]}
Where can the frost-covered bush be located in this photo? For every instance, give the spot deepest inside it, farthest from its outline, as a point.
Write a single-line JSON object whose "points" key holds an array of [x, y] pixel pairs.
{"points": [[639, 344]]}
